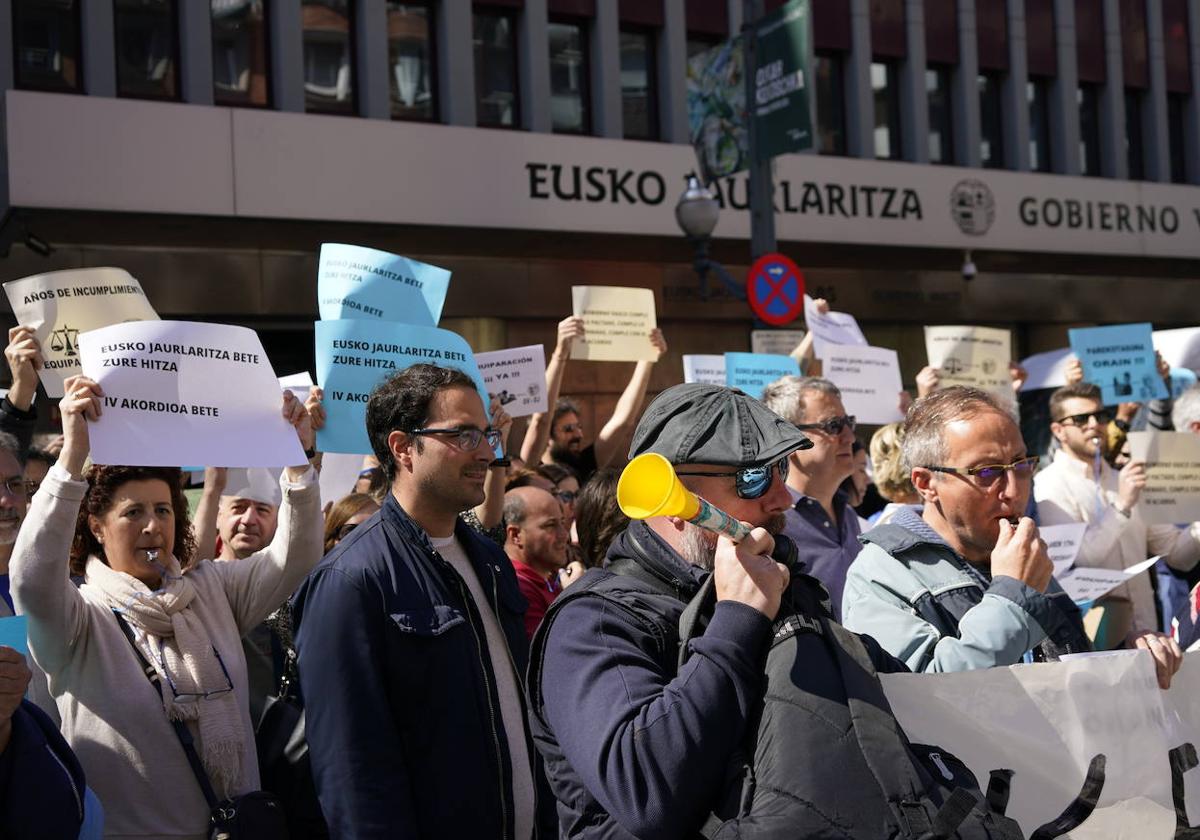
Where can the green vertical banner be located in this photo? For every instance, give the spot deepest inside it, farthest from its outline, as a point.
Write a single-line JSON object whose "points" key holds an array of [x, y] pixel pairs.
{"points": [[781, 81]]}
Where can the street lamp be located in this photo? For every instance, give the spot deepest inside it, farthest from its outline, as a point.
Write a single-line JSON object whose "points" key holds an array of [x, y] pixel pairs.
{"points": [[697, 212]]}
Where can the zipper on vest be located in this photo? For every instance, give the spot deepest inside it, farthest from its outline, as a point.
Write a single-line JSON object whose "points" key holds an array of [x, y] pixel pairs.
{"points": [[71, 779], [483, 668]]}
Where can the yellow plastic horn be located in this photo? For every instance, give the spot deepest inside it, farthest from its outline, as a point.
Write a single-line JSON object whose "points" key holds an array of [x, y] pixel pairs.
{"points": [[649, 487]]}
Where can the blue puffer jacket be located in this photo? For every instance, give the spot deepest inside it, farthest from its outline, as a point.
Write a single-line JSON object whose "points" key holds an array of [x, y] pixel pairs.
{"points": [[928, 607], [42, 788]]}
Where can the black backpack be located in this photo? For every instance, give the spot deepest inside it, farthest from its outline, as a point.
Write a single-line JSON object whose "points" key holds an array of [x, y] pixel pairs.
{"points": [[919, 792]]}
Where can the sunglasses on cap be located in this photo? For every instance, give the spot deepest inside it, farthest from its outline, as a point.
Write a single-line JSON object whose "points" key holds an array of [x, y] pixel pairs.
{"points": [[750, 482], [1103, 416]]}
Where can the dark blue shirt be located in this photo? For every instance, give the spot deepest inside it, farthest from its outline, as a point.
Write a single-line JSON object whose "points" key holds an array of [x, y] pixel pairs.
{"points": [[5, 593], [827, 548]]}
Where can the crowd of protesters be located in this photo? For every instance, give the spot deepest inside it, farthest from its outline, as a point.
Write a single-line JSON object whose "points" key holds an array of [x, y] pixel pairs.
{"points": [[486, 646]]}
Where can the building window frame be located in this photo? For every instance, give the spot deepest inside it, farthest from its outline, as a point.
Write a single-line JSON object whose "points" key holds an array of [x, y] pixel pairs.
{"points": [[514, 66], [886, 98], [943, 75], [585, 87], [833, 127], [175, 95], [350, 107], [1087, 98], [432, 47], [649, 37], [232, 102], [26, 84], [990, 87], [1177, 136], [1037, 100]]}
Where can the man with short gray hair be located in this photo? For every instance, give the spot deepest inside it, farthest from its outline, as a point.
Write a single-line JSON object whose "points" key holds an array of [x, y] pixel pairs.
{"points": [[820, 522], [965, 582], [1185, 416]]}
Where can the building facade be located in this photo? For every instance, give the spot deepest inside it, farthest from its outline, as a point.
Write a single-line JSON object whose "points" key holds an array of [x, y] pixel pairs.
{"points": [[530, 145]]}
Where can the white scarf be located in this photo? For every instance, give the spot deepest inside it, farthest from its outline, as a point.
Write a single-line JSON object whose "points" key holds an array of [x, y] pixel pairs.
{"points": [[175, 642]]}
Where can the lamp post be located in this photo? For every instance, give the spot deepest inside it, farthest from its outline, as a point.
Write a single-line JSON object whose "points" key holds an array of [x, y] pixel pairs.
{"points": [[697, 212]]}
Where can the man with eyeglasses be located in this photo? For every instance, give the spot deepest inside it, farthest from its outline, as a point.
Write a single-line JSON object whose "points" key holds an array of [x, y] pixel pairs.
{"points": [[820, 520], [965, 582], [411, 639], [1080, 486]]}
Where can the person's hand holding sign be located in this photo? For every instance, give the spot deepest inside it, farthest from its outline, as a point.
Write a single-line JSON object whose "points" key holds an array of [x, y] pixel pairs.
{"points": [[928, 380], [80, 403], [1168, 657], [1130, 482], [569, 329], [296, 414], [659, 342], [24, 356]]}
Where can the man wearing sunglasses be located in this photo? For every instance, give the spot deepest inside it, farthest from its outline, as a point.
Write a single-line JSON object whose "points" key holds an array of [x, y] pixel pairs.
{"points": [[966, 582], [1080, 486], [820, 520], [411, 639]]}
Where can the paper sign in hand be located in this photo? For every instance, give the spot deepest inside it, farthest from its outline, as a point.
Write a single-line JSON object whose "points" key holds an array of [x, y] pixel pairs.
{"points": [[1087, 584], [831, 328], [298, 383], [60, 305], [1120, 359], [357, 282], [1063, 543], [976, 356], [1046, 370], [355, 356], [178, 393], [1172, 491], [708, 369], [517, 377], [617, 322], [869, 379], [752, 372]]}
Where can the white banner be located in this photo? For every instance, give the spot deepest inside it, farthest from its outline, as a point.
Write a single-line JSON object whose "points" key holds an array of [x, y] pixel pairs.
{"points": [[186, 393], [60, 305], [517, 376], [869, 379], [1048, 723], [704, 368]]}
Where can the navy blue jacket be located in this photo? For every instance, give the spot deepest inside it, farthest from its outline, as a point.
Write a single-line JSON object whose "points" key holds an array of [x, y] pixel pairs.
{"points": [[402, 715], [41, 782]]}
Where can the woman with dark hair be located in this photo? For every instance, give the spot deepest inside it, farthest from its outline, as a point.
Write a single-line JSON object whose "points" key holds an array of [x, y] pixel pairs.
{"points": [[349, 512], [598, 518], [178, 657]]}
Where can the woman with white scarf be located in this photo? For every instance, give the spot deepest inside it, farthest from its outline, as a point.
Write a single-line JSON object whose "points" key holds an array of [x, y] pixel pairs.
{"points": [[126, 532]]}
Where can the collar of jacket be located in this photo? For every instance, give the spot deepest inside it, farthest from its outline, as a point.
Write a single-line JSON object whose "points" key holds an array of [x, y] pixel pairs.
{"points": [[411, 531], [640, 544], [907, 531]]}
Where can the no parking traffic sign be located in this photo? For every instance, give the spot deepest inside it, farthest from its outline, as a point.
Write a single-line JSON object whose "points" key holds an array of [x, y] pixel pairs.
{"points": [[775, 289]]}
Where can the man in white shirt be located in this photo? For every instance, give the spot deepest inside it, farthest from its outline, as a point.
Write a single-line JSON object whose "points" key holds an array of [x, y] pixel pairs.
{"points": [[1079, 486]]}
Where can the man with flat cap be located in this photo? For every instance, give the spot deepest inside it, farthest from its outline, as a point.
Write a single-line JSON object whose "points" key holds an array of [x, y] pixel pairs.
{"points": [[636, 745]]}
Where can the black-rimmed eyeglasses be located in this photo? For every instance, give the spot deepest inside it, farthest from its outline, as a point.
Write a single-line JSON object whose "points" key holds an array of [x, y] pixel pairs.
{"points": [[466, 438], [833, 426]]}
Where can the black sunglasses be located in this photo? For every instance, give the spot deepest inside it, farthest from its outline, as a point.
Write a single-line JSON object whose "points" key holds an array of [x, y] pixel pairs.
{"points": [[832, 426], [750, 482], [1103, 416]]}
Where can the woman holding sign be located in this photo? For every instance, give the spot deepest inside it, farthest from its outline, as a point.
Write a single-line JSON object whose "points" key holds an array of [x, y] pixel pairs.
{"points": [[146, 654]]}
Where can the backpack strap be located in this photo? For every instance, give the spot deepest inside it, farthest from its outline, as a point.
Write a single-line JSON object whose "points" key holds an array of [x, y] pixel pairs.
{"points": [[694, 619], [1082, 806]]}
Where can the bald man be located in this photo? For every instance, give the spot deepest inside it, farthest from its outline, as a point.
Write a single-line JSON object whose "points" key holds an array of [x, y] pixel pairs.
{"points": [[535, 539]]}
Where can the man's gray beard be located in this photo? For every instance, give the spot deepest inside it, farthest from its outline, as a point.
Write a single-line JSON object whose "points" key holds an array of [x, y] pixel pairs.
{"points": [[699, 546]]}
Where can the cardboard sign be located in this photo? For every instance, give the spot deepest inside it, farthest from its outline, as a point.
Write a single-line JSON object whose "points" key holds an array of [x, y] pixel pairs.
{"points": [[517, 377], [1172, 491], [355, 356], [752, 372], [60, 305], [869, 379], [177, 392], [1084, 584], [976, 356], [704, 368], [831, 328], [617, 322], [357, 282], [1120, 359]]}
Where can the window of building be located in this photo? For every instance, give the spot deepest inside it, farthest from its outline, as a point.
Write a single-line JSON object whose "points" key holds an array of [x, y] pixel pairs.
{"points": [[1177, 136], [147, 41], [885, 83], [569, 111], [1037, 94], [497, 100], [328, 56], [639, 89], [1135, 147], [991, 121], [830, 84], [240, 59], [1087, 96], [46, 39], [411, 65], [941, 125]]}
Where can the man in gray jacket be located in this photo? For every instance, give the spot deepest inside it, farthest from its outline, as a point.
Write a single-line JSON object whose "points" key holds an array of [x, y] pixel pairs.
{"points": [[966, 582]]}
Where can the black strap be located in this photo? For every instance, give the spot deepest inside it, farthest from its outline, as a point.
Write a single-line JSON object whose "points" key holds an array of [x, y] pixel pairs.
{"points": [[1081, 807], [693, 619], [181, 731]]}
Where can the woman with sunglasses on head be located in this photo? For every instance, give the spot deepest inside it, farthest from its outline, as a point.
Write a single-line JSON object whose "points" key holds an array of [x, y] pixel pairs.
{"points": [[152, 636], [349, 512]]}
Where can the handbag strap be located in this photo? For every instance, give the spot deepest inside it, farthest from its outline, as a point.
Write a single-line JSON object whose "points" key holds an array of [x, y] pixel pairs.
{"points": [[181, 731]]}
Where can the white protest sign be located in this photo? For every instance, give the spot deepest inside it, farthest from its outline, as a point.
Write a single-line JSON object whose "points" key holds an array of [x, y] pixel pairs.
{"points": [[339, 474], [298, 383], [1180, 347], [1046, 370], [517, 376], [704, 368], [1063, 543], [185, 393], [1087, 583], [775, 342], [60, 305], [830, 328], [617, 322], [977, 356], [1172, 491], [1050, 722], [869, 379]]}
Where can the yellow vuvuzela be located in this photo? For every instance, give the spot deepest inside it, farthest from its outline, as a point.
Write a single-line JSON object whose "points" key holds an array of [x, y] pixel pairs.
{"points": [[649, 487]]}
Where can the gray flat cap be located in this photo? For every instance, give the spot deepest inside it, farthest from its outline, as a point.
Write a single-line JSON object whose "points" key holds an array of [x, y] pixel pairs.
{"points": [[709, 424]]}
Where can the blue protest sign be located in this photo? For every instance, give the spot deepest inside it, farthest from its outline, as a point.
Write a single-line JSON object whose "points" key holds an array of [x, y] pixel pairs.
{"points": [[1119, 359], [354, 356], [14, 632], [357, 282], [752, 372]]}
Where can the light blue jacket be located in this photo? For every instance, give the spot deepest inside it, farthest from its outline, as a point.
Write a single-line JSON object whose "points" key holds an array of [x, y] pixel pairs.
{"points": [[928, 607]]}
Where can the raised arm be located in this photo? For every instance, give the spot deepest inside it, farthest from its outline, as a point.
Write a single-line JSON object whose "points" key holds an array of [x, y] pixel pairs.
{"points": [[24, 357], [491, 511], [41, 583], [629, 407], [537, 434], [204, 523]]}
